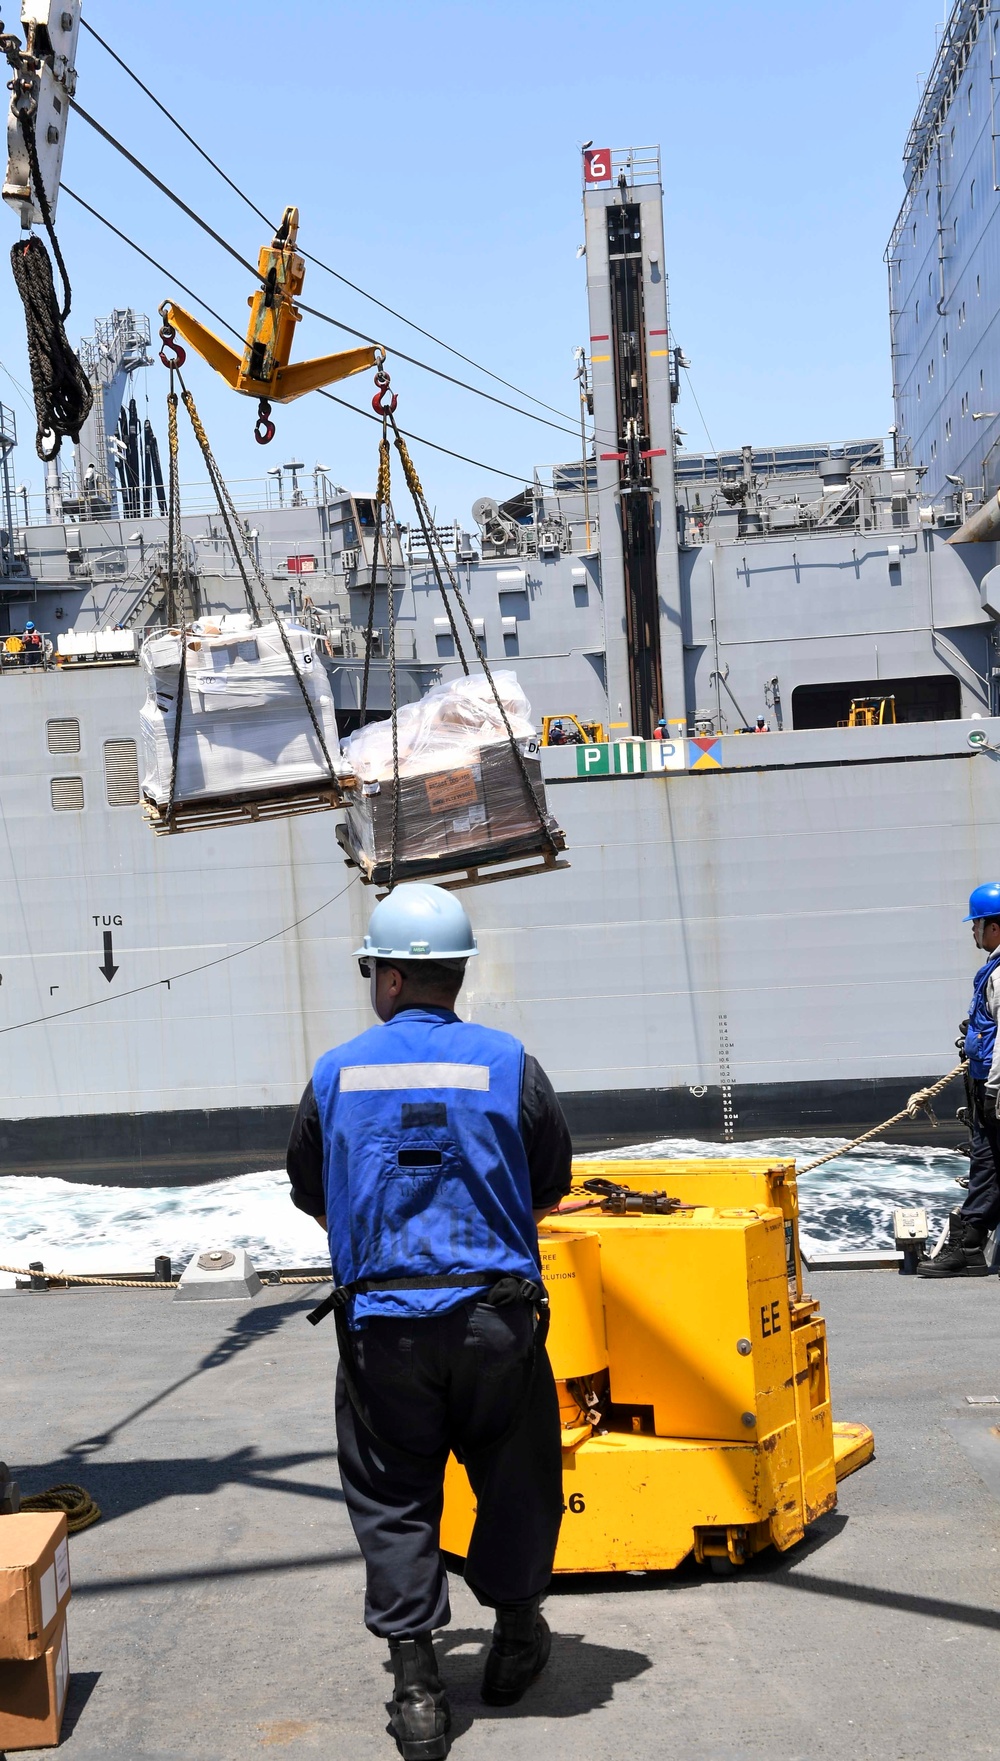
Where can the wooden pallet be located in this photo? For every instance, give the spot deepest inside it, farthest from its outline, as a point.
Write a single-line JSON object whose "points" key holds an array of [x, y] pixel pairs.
{"points": [[454, 872], [200, 816]]}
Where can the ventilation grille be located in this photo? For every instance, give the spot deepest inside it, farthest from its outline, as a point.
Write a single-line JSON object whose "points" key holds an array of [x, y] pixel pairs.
{"points": [[67, 792], [63, 736], [121, 773]]}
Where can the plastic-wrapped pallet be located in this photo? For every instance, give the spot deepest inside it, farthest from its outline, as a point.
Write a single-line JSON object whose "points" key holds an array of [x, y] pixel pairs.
{"points": [[462, 799], [245, 729]]}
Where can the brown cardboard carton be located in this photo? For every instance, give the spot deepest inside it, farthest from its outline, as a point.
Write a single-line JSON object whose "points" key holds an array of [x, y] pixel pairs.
{"points": [[470, 816], [33, 1697], [34, 1582]]}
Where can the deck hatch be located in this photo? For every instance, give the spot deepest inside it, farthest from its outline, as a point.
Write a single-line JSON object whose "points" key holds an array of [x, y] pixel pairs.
{"points": [[67, 792], [121, 773], [62, 734]]}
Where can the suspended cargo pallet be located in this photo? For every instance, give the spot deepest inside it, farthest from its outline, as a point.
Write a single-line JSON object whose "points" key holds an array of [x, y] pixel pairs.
{"points": [[247, 809], [257, 733], [452, 793]]}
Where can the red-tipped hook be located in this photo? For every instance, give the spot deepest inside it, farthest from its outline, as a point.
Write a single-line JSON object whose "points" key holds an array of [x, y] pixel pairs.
{"points": [[384, 402], [178, 355], [263, 431]]}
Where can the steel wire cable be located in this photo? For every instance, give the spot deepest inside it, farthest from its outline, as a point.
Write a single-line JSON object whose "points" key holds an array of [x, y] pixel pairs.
{"points": [[313, 311], [421, 439], [326, 267]]}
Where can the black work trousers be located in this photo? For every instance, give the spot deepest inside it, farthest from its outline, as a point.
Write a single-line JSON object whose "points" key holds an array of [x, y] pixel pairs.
{"points": [[460, 1381], [981, 1206]]}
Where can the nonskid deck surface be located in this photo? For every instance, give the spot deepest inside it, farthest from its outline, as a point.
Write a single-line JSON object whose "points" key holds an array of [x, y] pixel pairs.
{"points": [[217, 1606]]}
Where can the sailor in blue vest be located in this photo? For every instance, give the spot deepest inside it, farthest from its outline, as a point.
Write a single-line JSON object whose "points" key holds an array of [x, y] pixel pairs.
{"points": [[962, 1255], [428, 1148]]}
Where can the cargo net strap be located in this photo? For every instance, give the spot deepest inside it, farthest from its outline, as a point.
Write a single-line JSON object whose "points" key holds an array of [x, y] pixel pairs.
{"points": [[246, 561], [385, 529]]}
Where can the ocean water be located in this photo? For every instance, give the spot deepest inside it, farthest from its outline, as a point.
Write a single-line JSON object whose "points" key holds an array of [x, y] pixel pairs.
{"points": [[76, 1228]]}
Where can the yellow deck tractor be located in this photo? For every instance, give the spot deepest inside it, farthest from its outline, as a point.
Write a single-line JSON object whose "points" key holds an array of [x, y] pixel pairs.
{"points": [[692, 1370]]}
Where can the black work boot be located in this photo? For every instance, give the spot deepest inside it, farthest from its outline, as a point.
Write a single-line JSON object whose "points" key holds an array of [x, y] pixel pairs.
{"points": [[420, 1718], [520, 1651], [961, 1256]]}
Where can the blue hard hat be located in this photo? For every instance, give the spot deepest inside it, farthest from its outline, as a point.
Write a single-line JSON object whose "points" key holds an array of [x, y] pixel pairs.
{"points": [[984, 901], [29, 625], [662, 722], [419, 922]]}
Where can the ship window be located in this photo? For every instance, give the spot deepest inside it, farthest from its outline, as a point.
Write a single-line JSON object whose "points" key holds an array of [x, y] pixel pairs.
{"points": [[933, 451], [934, 699], [121, 773], [947, 429], [965, 404], [67, 793], [63, 735], [944, 343], [961, 314]]}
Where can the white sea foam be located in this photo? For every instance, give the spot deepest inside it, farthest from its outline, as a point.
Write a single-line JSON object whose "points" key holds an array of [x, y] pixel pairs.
{"points": [[76, 1228]]}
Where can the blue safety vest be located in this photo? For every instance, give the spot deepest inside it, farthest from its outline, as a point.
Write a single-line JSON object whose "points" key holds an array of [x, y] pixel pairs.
{"points": [[424, 1166], [981, 1033]]}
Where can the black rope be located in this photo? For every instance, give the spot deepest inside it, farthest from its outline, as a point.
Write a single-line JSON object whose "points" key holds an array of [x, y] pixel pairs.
{"points": [[63, 394], [27, 122]]}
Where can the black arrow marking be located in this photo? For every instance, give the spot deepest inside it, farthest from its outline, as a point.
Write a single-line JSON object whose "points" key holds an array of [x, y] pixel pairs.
{"points": [[109, 968]]}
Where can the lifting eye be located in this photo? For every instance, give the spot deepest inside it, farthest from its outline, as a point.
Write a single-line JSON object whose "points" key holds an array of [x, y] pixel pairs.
{"points": [[420, 1158]]}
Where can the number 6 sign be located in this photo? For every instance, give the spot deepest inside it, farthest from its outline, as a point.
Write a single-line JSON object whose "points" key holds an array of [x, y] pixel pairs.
{"points": [[597, 165]]}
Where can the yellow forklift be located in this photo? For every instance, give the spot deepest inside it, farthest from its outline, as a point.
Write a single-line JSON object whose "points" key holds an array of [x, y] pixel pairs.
{"points": [[572, 730]]}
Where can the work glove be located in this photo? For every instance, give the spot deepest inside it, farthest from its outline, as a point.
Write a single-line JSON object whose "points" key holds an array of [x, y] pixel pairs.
{"points": [[990, 1108], [963, 1028]]}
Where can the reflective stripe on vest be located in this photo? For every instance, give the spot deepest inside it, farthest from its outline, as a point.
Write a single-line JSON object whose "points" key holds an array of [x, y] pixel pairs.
{"points": [[981, 1033], [424, 1167]]}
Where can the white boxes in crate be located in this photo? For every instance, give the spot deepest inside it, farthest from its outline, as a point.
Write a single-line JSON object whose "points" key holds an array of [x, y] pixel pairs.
{"points": [[245, 728]]}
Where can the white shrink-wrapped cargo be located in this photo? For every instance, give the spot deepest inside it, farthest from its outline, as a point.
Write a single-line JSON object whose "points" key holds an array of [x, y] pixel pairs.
{"points": [[245, 729], [447, 728]]}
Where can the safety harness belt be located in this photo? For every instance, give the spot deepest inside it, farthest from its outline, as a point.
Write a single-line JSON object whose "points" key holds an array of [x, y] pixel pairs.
{"points": [[505, 1289]]}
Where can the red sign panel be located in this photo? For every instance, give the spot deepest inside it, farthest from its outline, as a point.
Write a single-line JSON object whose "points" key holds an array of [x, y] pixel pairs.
{"points": [[301, 565], [597, 165]]}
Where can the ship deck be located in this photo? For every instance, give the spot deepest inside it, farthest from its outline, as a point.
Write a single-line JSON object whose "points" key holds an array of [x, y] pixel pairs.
{"points": [[217, 1606]]}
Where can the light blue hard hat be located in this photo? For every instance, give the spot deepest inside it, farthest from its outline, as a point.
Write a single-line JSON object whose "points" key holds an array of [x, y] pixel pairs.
{"points": [[419, 922], [984, 901]]}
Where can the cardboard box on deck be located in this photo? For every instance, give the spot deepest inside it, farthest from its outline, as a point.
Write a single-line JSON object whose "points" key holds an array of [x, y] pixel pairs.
{"points": [[33, 1696], [34, 1582]]}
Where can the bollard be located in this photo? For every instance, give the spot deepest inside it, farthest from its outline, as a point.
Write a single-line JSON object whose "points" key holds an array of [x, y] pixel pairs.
{"points": [[162, 1270], [38, 1278]]}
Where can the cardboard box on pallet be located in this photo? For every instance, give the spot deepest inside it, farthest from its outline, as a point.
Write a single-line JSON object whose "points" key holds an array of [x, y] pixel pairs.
{"points": [[34, 1582], [478, 812], [33, 1696]]}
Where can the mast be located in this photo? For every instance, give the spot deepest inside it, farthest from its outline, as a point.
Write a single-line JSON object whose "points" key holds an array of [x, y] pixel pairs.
{"points": [[630, 360]]}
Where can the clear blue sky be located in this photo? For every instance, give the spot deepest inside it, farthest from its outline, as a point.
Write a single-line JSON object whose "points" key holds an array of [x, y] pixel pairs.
{"points": [[433, 153]]}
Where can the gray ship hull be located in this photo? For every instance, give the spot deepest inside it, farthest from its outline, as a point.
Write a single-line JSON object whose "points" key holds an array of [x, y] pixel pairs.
{"points": [[771, 944]]}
